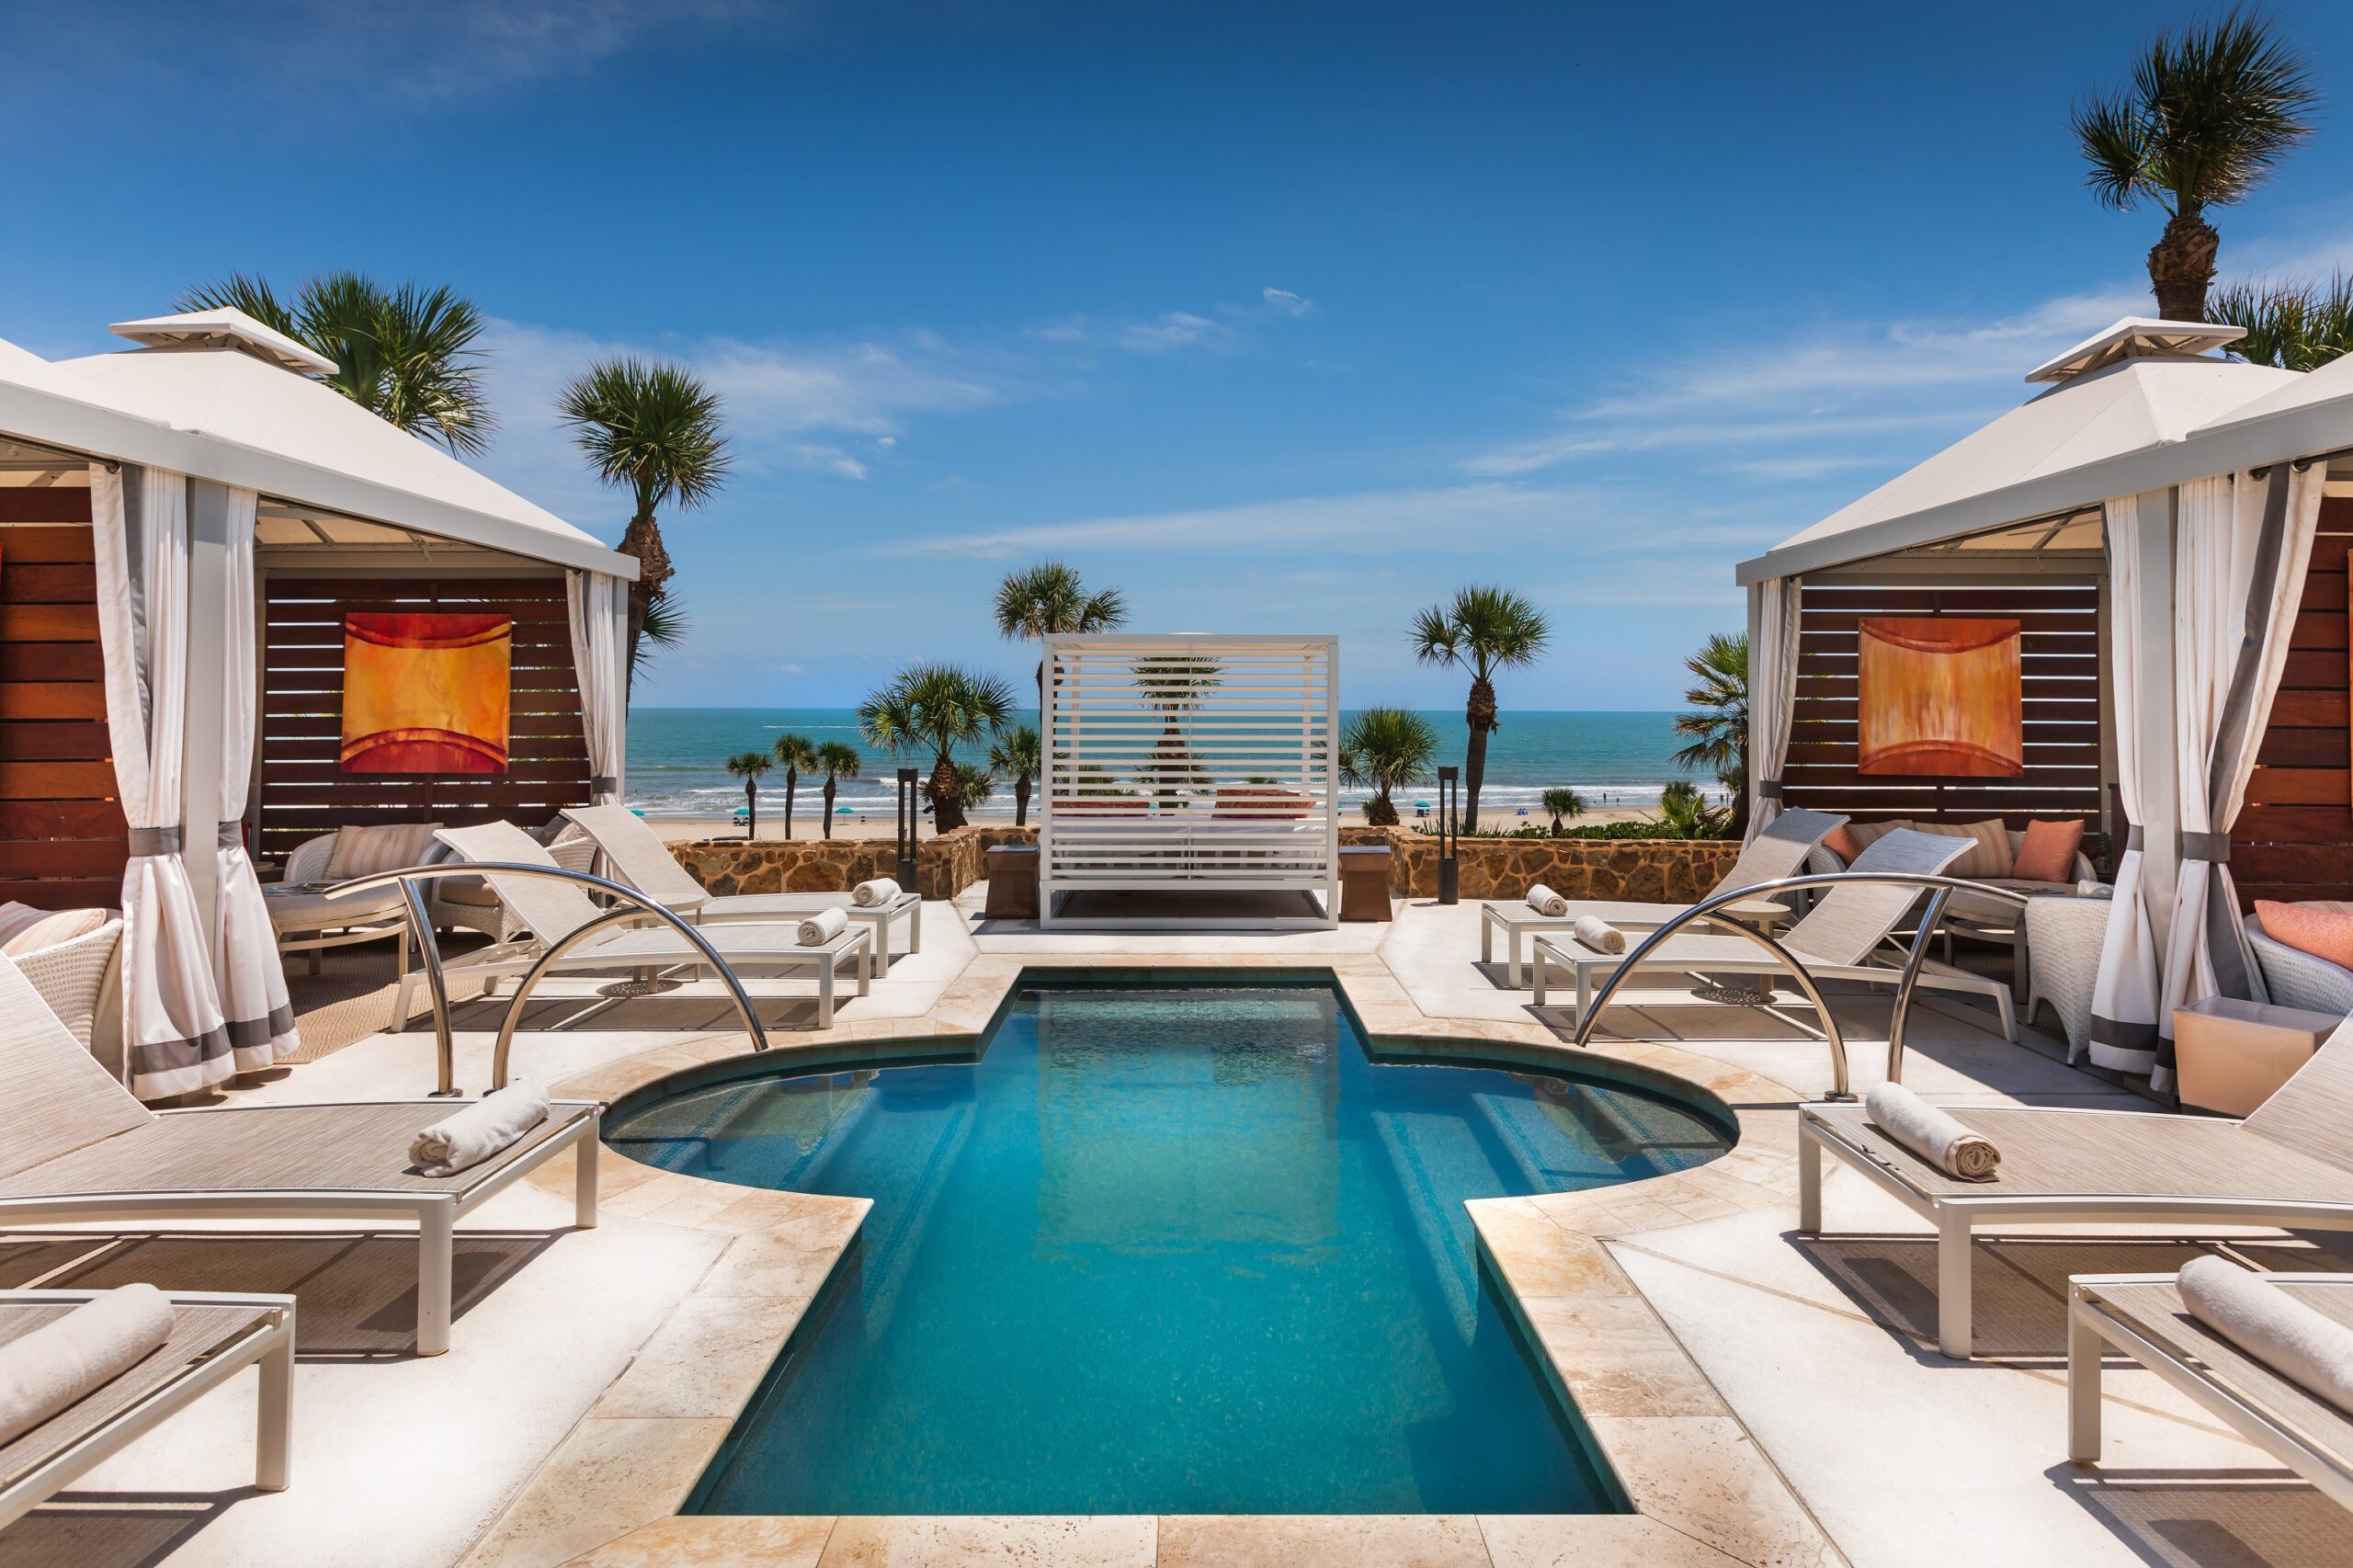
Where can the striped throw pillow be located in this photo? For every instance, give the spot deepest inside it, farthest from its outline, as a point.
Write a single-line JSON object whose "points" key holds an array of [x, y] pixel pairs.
{"points": [[1989, 854], [24, 929], [364, 851]]}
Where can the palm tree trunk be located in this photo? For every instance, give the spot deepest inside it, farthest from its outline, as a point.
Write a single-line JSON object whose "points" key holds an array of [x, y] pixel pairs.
{"points": [[751, 809], [1480, 714], [642, 542], [829, 805], [1021, 800], [1380, 811], [791, 778], [2181, 264], [947, 810], [1739, 828]]}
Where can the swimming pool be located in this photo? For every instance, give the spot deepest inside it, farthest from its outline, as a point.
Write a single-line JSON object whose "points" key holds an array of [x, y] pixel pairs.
{"points": [[1162, 1249]]}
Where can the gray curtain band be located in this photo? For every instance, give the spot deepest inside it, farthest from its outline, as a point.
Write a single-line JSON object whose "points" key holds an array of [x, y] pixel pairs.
{"points": [[251, 1034], [2128, 1036], [604, 784], [2133, 838], [233, 834], [1770, 789], [2214, 848], [155, 841]]}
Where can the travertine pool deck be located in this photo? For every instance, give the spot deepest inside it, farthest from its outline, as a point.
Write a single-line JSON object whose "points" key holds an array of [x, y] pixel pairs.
{"points": [[1765, 1400]]}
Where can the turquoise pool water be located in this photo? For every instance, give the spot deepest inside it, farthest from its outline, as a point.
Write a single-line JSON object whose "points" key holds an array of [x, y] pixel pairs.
{"points": [[1162, 1250]]}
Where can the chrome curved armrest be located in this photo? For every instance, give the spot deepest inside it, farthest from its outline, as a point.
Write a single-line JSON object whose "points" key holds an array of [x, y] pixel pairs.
{"points": [[1941, 888], [412, 880]]}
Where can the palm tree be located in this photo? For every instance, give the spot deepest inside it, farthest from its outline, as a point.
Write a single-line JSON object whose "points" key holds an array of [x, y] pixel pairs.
{"points": [[653, 428], [1558, 803], [2290, 326], [974, 785], [1483, 631], [2209, 110], [1015, 755], [405, 355], [793, 752], [1382, 748], [937, 708], [749, 765], [1717, 725], [840, 760], [1049, 600], [1684, 812]]}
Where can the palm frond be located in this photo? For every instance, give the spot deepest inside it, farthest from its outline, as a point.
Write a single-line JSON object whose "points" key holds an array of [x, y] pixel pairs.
{"points": [[1049, 599], [664, 628], [2210, 111], [651, 428], [798, 753], [238, 292], [838, 759]]}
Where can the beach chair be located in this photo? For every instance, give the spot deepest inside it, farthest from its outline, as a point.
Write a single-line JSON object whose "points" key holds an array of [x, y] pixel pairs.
{"points": [[552, 915], [636, 854], [2143, 1315], [1840, 938], [215, 1335], [78, 1149], [1779, 851], [2290, 1163]]}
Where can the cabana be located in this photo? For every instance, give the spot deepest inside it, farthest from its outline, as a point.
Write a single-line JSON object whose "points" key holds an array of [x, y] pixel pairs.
{"points": [[183, 527], [1192, 782], [2169, 528]]}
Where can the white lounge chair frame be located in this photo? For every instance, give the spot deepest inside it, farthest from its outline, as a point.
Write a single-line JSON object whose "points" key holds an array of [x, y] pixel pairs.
{"points": [[1268, 710], [1914, 972], [2094, 1322], [1779, 851], [269, 1343], [642, 859]]}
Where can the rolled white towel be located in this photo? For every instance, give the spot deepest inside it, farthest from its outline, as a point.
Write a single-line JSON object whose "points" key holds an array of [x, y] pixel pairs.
{"points": [[1931, 1133], [822, 927], [1598, 934], [874, 892], [2308, 1349], [66, 1361], [469, 1137], [1544, 901]]}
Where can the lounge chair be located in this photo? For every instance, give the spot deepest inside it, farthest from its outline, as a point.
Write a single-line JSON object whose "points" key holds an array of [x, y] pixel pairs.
{"points": [[214, 1336], [645, 863], [1779, 851], [552, 912], [2143, 1315], [75, 1149], [1839, 939], [2290, 1164]]}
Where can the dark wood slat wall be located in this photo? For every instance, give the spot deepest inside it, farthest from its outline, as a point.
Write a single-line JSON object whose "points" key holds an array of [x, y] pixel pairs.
{"points": [[303, 793], [62, 836], [2293, 838], [2059, 650]]}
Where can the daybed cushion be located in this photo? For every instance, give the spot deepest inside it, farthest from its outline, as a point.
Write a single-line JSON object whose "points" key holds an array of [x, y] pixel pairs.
{"points": [[2001, 911], [2047, 853], [2324, 930], [24, 929]]}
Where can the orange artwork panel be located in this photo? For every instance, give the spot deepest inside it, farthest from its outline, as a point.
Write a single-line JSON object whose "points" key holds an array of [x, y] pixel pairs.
{"points": [[1941, 697], [426, 693]]}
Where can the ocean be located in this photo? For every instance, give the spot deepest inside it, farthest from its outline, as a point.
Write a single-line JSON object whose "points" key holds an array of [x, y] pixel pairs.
{"points": [[678, 759]]}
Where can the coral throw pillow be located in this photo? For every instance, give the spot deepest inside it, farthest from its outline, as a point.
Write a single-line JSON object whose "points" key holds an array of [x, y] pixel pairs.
{"points": [[2047, 853], [1843, 843], [2318, 930]]}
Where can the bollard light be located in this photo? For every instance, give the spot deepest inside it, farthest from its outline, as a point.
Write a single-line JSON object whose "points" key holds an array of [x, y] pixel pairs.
{"points": [[1450, 842], [907, 815]]}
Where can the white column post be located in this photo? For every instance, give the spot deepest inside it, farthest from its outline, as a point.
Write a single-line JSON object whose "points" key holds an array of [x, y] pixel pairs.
{"points": [[2160, 790], [208, 655]]}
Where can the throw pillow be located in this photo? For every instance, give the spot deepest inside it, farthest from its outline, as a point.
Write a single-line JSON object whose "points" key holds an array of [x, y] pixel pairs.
{"points": [[24, 929], [2318, 930], [1989, 855], [364, 851], [1843, 843], [2047, 853]]}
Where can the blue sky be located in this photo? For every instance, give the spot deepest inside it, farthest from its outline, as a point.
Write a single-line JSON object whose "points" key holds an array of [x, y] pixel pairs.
{"points": [[1278, 317]]}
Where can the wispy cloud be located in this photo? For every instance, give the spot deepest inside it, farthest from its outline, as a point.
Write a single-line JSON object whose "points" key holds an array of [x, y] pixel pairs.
{"points": [[1225, 327], [1840, 381], [1175, 329], [1288, 303]]}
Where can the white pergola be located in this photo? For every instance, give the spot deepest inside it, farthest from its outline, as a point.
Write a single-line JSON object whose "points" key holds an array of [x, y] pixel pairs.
{"points": [[1192, 782]]}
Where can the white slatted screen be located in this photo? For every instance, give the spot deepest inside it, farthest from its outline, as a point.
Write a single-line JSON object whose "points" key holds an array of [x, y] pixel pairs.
{"points": [[1201, 765]]}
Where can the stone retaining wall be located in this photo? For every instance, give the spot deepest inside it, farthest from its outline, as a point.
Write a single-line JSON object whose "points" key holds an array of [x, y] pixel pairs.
{"points": [[1670, 871]]}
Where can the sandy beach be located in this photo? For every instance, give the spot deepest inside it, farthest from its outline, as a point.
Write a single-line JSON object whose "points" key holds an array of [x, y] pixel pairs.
{"points": [[879, 825]]}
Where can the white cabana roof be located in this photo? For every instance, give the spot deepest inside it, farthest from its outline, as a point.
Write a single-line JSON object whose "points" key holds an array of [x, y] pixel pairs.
{"points": [[209, 405], [2074, 446]]}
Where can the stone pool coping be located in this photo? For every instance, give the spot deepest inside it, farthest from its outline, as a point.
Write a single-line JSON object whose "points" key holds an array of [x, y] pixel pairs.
{"points": [[1702, 1489]]}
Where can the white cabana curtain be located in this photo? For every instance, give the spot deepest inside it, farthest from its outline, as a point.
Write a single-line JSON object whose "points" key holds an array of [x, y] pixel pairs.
{"points": [[252, 980], [595, 600], [1772, 693], [173, 1037], [2242, 544], [2124, 997]]}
